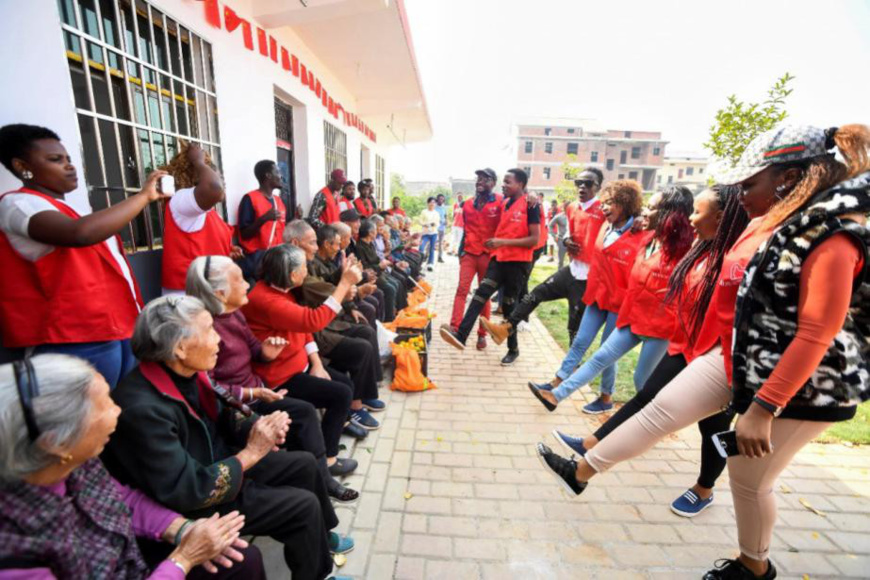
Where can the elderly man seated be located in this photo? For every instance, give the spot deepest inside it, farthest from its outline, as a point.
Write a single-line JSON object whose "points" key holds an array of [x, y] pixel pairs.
{"points": [[184, 447], [61, 513], [348, 342], [376, 297]]}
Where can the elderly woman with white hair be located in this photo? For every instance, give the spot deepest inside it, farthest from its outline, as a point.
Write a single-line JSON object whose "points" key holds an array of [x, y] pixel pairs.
{"points": [[189, 449], [61, 513], [220, 284]]}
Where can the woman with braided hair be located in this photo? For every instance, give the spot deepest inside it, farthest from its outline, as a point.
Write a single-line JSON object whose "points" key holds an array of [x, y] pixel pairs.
{"points": [[643, 317], [718, 220], [785, 338]]}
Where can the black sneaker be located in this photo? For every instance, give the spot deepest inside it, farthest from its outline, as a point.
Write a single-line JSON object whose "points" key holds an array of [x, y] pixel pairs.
{"points": [[451, 337], [536, 392], [510, 358], [735, 570], [564, 470], [342, 494], [343, 466]]}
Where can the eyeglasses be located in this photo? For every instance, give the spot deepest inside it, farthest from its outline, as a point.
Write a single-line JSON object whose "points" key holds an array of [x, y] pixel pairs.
{"points": [[586, 182], [28, 389]]}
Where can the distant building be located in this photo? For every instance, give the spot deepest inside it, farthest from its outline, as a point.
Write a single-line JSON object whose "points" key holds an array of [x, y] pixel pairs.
{"points": [[463, 186], [688, 170], [544, 145], [419, 188]]}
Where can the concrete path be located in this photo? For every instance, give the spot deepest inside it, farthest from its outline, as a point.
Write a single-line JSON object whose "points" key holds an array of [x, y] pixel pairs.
{"points": [[451, 488]]}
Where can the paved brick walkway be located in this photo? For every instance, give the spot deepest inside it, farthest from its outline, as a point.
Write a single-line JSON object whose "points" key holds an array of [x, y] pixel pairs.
{"points": [[451, 489]]}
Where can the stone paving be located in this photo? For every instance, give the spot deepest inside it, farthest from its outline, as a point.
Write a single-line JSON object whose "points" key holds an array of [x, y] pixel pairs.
{"points": [[451, 489]]}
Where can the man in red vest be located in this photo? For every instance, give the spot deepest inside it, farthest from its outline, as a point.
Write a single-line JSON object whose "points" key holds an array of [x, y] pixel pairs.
{"points": [[365, 204], [482, 215], [262, 216], [569, 282], [517, 234], [397, 207], [324, 206]]}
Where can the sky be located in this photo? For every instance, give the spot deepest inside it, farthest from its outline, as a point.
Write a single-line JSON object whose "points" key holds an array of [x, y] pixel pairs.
{"points": [[656, 65]]}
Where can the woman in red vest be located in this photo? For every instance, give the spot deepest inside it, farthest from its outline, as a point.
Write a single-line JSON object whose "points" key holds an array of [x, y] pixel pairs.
{"points": [[262, 216], [192, 226], [643, 316], [365, 204], [66, 285], [610, 268]]}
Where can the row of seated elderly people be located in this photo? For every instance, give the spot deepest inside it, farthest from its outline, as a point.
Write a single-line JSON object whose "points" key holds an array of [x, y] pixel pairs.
{"points": [[214, 435]]}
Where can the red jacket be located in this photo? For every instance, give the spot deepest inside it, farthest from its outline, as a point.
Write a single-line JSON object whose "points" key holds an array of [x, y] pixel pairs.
{"points": [[365, 207], [480, 224], [610, 268], [583, 227], [679, 342], [643, 308], [331, 213], [271, 233], [180, 248], [719, 320], [513, 225], [68, 295], [271, 312]]}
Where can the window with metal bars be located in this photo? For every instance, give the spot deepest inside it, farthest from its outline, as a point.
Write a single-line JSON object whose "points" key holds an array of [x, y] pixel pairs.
{"points": [[141, 82], [335, 146], [380, 181]]}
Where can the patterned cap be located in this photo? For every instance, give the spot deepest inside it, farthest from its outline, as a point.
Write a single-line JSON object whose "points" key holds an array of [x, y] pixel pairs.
{"points": [[782, 144]]}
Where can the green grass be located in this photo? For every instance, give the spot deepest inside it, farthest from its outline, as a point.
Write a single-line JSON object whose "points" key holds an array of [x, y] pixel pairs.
{"points": [[554, 316]]}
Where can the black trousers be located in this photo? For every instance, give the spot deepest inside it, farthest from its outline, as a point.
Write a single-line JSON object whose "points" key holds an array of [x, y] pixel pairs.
{"points": [[509, 276], [712, 464], [357, 355], [285, 498], [334, 396], [535, 256], [560, 285], [395, 295]]}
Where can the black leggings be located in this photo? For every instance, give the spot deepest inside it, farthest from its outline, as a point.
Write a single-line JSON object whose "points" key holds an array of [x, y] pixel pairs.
{"points": [[712, 464], [333, 395]]}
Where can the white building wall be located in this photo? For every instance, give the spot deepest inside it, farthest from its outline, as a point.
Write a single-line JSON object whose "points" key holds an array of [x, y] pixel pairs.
{"points": [[246, 84]]}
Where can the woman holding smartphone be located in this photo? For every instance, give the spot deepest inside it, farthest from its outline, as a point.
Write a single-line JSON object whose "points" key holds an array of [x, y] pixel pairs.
{"points": [[66, 285], [800, 318]]}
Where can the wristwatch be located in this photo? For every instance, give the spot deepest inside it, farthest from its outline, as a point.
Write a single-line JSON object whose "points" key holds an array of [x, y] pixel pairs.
{"points": [[770, 408]]}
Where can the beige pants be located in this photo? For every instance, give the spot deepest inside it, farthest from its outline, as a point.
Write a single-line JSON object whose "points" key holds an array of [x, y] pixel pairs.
{"points": [[699, 391]]}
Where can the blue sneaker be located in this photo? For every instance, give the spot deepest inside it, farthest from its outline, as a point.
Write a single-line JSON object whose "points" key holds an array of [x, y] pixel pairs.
{"points": [[690, 504], [597, 407], [571, 444], [362, 418], [340, 544], [374, 405]]}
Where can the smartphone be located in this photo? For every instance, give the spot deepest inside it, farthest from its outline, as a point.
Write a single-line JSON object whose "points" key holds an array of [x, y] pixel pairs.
{"points": [[167, 185], [726, 443]]}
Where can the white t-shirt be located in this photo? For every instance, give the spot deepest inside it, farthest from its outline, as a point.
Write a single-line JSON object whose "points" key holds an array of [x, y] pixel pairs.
{"points": [[189, 217], [430, 220], [16, 209]]}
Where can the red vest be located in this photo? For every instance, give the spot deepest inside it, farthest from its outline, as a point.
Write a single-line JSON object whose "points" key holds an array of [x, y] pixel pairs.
{"points": [[68, 295], [643, 308], [480, 224], [610, 268], [680, 340], [399, 211], [457, 215], [542, 229], [180, 248], [331, 212], [271, 233], [719, 320], [365, 207], [513, 225], [583, 226]]}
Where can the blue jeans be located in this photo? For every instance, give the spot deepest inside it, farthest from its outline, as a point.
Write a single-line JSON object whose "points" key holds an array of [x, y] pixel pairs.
{"points": [[593, 319], [617, 344], [112, 358], [427, 246]]}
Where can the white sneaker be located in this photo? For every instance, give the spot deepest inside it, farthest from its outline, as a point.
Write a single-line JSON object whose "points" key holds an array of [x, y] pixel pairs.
{"points": [[523, 326]]}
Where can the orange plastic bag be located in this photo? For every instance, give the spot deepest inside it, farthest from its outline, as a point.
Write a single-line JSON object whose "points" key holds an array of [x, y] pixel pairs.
{"points": [[416, 298], [410, 318], [408, 376], [425, 286]]}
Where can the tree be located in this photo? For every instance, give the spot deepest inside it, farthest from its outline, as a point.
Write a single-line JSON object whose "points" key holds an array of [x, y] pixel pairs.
{"points": [[565, 190], [739, 123]]}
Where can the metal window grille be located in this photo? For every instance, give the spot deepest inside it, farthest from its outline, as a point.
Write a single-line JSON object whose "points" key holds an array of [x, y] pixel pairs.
{"points": [[380, 190], [141, 81], [335, 146]]}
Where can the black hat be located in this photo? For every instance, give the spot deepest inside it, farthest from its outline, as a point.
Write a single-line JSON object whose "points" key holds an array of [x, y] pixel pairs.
{"points": [[349, 215], [488, 172]]}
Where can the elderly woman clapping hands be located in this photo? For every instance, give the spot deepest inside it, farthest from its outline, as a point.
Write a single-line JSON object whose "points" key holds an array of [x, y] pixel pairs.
{"points": [[219, 283], [178, 441], [61, 513]]}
